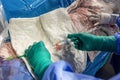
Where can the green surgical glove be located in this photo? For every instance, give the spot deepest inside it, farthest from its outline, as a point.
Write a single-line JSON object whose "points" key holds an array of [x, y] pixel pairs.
{"points": [[89, 42], [39, 58]]}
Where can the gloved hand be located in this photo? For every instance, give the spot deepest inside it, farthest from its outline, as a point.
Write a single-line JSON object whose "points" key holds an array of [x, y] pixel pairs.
{"points": [[103, 18], [89, 42], [39, 58]]}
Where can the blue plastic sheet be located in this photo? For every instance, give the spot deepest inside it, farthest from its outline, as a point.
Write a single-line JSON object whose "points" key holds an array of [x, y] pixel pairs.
{"points": [[31, 8], [117, 77], [63, 71], [99, 62]]}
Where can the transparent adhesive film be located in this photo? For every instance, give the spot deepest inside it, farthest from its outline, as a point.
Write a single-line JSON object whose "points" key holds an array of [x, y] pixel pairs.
{"points": [[3, 25]]}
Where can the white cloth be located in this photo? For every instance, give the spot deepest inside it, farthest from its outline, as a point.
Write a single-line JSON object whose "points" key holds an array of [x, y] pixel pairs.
{"points": [[50, 28]]}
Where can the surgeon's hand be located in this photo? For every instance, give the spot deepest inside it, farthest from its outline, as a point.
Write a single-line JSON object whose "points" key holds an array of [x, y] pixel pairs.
{"points": [[39, 58], [89, 42], [103, 18]]}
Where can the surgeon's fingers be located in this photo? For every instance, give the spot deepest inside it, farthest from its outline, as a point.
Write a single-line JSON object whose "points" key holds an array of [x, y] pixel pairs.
{"points": [[73, 39], [70, 36], [76, 42]]}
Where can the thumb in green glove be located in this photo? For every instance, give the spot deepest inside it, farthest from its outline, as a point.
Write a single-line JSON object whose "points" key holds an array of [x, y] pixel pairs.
{"points": [[89, 42], [39, 58]]}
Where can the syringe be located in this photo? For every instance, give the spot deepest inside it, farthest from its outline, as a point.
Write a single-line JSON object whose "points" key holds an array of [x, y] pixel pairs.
{"points": [[61, 44]]}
